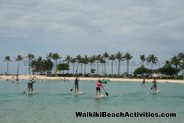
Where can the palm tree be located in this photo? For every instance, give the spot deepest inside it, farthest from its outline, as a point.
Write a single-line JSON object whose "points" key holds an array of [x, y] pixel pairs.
{"points": [[128, 57], [119, 57], [102, 61], [152, 59], [79, 60], [40, 64], [68, 60], [85, 62], [167, 63], [55, 57], [37, 64], [48, 65], [91, 60], [98, 57], [30, 59], [49, 58], [182, 67], [73, 61], [112, 58], [7, 59], [105, 55], [175, 61], [143, 59], [181, 58], [18, 59]]}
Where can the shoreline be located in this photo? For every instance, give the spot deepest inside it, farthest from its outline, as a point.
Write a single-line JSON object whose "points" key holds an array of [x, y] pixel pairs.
{"points": [[43, 77]]}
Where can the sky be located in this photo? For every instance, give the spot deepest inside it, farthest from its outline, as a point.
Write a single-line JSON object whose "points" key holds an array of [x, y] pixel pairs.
{"points": [[88, 27]]}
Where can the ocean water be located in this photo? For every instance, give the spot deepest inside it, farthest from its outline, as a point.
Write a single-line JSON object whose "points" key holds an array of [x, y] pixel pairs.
{"points": [[55, 103]]}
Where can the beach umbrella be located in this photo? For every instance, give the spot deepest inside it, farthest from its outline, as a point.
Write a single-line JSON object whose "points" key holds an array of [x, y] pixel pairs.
{"points": [[145, 74], [154, 75]]}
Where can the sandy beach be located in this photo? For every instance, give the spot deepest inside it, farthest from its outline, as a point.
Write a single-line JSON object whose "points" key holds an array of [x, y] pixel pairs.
{"points": [[42, 77]]}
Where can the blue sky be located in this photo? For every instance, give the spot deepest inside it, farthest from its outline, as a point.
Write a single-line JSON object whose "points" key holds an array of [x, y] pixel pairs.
{"points": [[87, 27]]}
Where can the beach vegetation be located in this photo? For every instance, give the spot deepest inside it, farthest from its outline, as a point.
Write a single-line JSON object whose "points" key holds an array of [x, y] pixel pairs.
{"points": [[68, 60], [30, 60], [55, 57], [143, 59], [105, 56], [119, 57], [152, 59], [7, 59], [96, 65], [18, 59], [63, 67], [167, 69], [142, 70], [112, 58], [128, 57]]}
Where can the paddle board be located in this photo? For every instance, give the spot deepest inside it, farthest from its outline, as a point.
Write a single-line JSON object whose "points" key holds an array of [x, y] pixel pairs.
{"points": [[156, 91], [79, 93], [32, 93], [104, 82], [99, 96]]}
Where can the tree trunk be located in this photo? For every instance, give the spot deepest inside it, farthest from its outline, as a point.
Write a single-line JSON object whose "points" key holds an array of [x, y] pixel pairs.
{"points": [[73, 68], [128, 67], [81, 68], [112, 69], [29, 68], [85, 69], [77, 69], [118, 67], [97, 68], [7, 68], [18, 71], [105, 67]]}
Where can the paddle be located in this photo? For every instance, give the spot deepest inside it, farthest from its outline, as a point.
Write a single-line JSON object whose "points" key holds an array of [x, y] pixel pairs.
{"points": [[72, 88], [25, 91], [105, 91]]}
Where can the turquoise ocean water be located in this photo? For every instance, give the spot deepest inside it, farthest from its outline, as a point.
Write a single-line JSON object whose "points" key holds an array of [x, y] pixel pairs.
{"points": [[55, 104]]}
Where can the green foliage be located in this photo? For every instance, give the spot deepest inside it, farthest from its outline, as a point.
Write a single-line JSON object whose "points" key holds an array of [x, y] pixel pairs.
{"points": [[93, 71], [141, 70], [7, 58], [168, 70], [19, 58], [152, 59], [41, 65], [172, 66], [63, 66], [143, 59], [48, 64]]}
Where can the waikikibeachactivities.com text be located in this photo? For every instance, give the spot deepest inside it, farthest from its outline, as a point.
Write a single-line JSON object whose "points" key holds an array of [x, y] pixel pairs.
{"points": [[123, 114]]}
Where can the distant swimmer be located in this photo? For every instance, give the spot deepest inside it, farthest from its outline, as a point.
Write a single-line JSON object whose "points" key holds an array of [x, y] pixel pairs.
{"points": [[98, 86]]}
